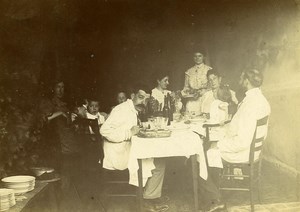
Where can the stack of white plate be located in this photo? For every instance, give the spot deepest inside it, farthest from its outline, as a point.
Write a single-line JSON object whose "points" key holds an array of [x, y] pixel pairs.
{"points": [[20, 184], [7, 199]]}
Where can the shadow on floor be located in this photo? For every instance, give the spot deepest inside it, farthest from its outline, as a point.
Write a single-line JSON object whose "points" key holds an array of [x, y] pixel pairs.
{"points": [[277, 188]]}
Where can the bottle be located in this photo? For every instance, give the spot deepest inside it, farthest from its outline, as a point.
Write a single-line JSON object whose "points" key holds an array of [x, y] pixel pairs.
{"points": [[166, 108], [171, 102]]}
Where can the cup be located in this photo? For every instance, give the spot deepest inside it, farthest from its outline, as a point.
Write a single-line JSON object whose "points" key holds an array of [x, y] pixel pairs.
{"points": [[151, 123], [146, 125], [164, 122]]}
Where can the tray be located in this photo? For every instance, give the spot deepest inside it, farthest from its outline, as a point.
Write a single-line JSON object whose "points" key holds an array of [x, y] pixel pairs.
{"points": [[154, 133]]}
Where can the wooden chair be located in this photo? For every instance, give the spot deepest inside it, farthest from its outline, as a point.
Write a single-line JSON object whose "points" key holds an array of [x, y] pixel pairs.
{"points": [[207, 140], [88, 131], [251, 169], [115, 178]]}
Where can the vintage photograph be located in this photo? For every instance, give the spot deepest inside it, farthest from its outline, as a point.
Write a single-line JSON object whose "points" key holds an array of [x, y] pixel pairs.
{"points": [[149, 105]]}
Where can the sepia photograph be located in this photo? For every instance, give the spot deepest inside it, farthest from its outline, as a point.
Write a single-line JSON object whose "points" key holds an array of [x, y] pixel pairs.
{"points": [[149, 105]]}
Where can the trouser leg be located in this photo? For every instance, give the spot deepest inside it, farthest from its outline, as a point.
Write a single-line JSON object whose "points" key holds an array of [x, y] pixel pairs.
{"points": [[210, 187], [154, 184]]}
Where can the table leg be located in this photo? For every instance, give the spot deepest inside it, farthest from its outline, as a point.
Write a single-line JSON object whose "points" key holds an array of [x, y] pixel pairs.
{"points": [[140, 189], [195, 180]]}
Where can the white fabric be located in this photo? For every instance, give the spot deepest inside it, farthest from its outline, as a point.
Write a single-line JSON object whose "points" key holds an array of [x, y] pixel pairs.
{"points": [[208, 98], [98, 116], [195, 78], [116, 131], [235, 146], [214, 158], [181, 143], [160, 95], [218, 111], [213, 155]]}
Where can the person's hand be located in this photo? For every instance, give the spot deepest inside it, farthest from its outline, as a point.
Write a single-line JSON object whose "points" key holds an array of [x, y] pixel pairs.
{"points": [[64, 114], [222, 123], [202, 92], [196, 95], [134, 130]]}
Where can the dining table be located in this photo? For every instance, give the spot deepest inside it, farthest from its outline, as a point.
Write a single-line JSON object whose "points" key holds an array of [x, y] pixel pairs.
{"points": [[183, 141]]}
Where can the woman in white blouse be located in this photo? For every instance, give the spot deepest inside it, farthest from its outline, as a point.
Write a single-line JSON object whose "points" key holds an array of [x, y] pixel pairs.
{"points": [[160, 91], [195, 84]]}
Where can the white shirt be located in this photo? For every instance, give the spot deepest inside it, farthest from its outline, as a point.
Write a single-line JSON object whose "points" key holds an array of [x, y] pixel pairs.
{"points": [[116, 131], [208, 98], [195, 77], [235, 146], [160, 95]]}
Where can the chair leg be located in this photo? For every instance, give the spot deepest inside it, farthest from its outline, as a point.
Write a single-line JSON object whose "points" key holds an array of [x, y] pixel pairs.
{"points": [[251, 190], [298, 186], [259, 183]]}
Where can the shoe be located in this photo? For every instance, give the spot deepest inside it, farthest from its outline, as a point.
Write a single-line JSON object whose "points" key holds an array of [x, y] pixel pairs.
{"points": [[161, 200], [216, 206], [150, 207]]}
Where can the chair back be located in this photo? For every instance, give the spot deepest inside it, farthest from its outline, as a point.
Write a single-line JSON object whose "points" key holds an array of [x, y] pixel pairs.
{"points": [[87, 126], [259, 136], [88, 131]]}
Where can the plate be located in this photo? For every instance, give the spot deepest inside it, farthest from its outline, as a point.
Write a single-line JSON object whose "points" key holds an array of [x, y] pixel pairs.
{"points": [[154, 133], [6, 192], [18, 179]]}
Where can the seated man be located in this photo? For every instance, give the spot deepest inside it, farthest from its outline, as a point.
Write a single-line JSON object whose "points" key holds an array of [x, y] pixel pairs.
{"points": [[117, 130], [235, 145]]}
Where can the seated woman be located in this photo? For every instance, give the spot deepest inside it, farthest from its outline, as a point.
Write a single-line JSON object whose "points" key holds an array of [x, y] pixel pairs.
{"points": [[214, 80], [62, 146], [160, 91]]}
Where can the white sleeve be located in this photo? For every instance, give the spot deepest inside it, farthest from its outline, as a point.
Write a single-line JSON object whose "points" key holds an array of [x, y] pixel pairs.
{"points": [[242, 139], [115, 128]]}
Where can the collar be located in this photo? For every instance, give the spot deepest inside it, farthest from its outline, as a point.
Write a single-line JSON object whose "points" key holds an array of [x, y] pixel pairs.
{"points": [[253, 91], [199, 66], [157, 90], [131, 105]]}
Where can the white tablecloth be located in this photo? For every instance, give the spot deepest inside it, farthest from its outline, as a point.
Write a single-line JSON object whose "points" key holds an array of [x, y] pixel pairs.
{"points": [[180, 143]]}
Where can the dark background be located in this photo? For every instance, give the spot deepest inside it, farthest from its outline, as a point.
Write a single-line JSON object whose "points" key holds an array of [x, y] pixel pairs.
{"points": [[100, 47]]}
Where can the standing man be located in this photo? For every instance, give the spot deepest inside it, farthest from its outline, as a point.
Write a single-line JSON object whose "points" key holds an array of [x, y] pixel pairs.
{"points": [[117, 130], [235, 145], [195, 83]]}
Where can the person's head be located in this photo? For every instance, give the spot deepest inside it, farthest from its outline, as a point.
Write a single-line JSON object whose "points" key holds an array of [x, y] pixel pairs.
{"points": [[162, 80], [121, 97], [93, 106], [251, 78], [79, 108], [214, 78], [80, 111], [140, 97], [223, 93], [198, 58], [59, 89]]}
